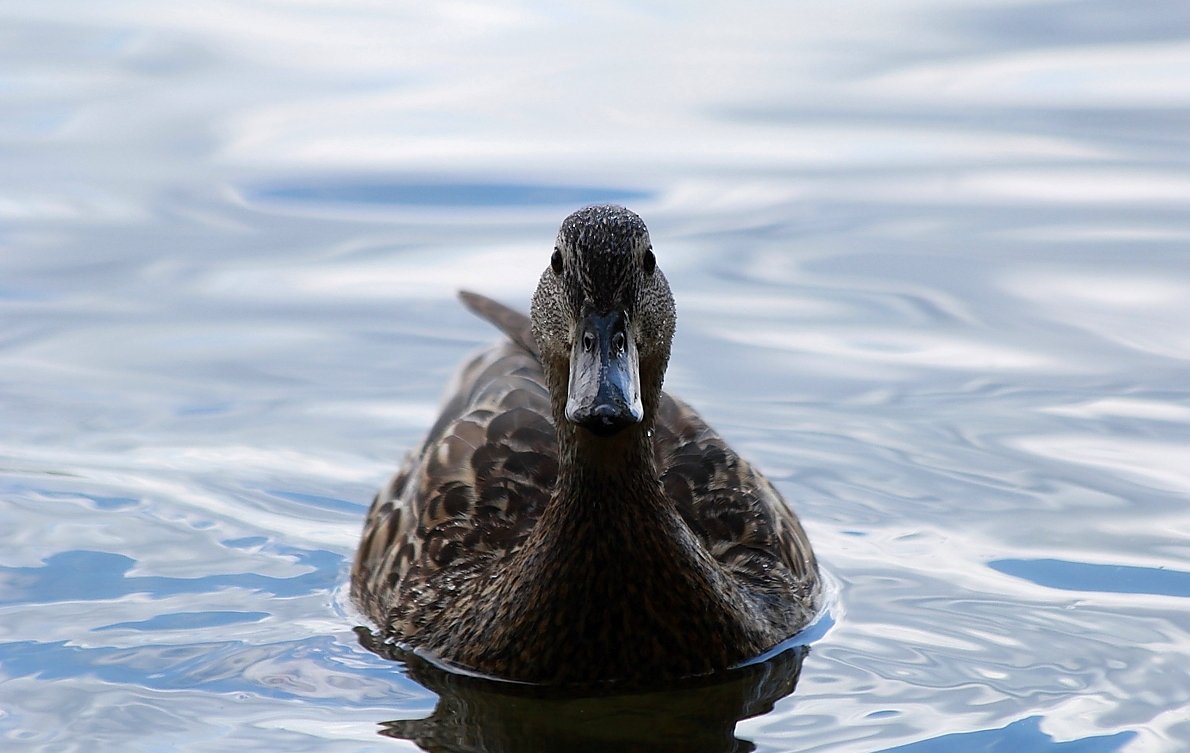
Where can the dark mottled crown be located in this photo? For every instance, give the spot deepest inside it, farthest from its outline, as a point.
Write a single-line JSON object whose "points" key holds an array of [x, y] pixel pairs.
{"points": [[606, 242]]}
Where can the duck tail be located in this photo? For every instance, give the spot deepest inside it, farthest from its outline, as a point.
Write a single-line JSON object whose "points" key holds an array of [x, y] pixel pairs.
{"points": [[512, 323]]}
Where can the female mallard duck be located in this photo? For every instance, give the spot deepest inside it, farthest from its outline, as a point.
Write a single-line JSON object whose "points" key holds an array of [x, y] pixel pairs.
{"points": [[568, 522]]}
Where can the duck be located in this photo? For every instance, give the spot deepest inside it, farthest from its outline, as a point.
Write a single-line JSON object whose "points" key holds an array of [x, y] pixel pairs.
{"points": [[568, 522]]}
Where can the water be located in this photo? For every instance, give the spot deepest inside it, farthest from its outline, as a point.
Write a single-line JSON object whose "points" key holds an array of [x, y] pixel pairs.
{"points": [[930, 264]]}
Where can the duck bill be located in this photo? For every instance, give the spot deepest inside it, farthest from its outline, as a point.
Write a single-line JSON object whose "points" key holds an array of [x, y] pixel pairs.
{"points": [[604, 394]]}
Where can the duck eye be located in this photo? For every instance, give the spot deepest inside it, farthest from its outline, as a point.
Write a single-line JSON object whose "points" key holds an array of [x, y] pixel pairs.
{"points": [[650, 261], [556, 262]]}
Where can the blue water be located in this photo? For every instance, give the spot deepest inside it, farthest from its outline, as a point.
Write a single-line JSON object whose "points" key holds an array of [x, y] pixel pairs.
{"points": [[932, 273]]}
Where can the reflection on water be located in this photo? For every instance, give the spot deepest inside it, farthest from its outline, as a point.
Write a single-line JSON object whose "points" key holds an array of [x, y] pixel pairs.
{"points": [[929, 259], [473, 714]]}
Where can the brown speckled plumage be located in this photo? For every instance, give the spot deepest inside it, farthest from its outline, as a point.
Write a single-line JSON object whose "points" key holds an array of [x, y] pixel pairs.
{"points": [[519, 545]]}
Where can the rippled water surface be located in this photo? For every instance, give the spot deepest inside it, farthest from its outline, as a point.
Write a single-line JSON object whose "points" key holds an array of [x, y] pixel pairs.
{"points": [[931, 267]]}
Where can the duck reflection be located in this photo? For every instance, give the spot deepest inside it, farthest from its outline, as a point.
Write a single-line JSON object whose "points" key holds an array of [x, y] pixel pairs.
{"points": [[485, 716]]}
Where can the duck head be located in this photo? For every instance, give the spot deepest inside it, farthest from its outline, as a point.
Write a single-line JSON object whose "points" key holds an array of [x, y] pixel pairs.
{"points": [[603, 317]]}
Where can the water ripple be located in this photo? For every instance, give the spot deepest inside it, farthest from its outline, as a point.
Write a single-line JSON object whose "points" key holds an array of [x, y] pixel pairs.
{"points": [[930, 268]]}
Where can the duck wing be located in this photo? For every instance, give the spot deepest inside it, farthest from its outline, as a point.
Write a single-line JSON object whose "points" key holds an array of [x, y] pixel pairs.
{"points": [[468, 496], [734, 510]]}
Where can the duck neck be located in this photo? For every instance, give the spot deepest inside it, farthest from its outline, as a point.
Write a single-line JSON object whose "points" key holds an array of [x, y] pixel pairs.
{"points": [[610, 521], [609, 481]]}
